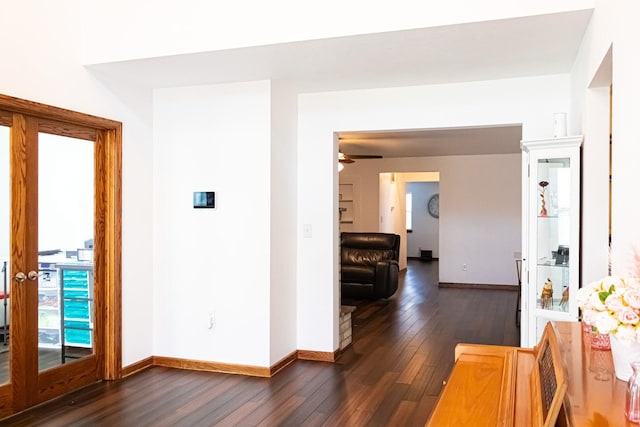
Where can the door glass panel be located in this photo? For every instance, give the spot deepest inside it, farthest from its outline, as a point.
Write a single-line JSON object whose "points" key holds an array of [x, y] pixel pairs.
{"points": [[65, 249], [5, 307]]}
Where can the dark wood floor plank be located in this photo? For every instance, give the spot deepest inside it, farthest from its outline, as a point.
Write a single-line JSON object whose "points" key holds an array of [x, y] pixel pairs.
{"points": [[392, 374]]}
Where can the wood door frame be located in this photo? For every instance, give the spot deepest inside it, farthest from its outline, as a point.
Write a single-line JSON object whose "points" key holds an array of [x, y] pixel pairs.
{"points": [[107, 137]]}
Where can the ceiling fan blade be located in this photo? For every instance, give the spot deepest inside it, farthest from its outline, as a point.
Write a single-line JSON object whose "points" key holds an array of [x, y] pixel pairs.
{"points": [[345, 160]]}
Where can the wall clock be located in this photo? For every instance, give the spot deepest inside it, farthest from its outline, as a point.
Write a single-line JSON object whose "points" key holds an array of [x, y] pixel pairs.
{"points": [[433, 206]]}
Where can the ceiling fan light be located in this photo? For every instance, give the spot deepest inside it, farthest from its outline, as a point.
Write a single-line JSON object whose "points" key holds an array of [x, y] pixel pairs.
{"points": [[340, 167]]}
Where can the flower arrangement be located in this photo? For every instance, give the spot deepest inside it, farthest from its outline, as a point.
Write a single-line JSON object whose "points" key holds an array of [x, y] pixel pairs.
{"points": [[612, 305]]}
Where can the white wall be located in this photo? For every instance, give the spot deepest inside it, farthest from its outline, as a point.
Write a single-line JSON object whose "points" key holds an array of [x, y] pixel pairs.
{"points": [[42, 63], [147, 28], [590, 117], [626, 133], [212, 265], [392, 211], [425, 228], [5, 191], [613, 26], [282, 333]]}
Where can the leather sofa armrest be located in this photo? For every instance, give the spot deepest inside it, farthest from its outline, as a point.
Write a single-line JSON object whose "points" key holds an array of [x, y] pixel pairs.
{"points": [[386, 279]]}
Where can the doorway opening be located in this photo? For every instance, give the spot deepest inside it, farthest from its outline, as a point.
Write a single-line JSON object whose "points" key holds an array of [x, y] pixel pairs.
{"points": [[423, 219]]}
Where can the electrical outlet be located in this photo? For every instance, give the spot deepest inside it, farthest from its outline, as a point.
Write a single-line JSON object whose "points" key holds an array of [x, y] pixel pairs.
{"points": [[212, 320], [464, 267]]}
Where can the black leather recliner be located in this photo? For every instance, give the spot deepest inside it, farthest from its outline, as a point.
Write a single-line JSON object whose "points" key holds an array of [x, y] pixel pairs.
{"points": [[369, 264]]}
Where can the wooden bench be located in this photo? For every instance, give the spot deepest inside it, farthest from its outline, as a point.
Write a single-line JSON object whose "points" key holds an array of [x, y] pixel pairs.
{"points": [[505, 386]]}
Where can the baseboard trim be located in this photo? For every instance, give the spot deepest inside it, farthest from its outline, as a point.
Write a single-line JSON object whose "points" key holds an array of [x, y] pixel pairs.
{"points": [[225, 368], [137, 367], [229, 368], [201, 365], [319, 356], [286, 361], [484, 286]]}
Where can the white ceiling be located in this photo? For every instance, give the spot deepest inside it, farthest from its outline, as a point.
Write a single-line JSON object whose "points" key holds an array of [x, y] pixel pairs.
{"points": [[509, 48], [433, 142]]}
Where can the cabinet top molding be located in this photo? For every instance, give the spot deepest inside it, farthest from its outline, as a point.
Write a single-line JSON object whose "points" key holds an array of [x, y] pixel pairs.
{"points": [[561, 142]]}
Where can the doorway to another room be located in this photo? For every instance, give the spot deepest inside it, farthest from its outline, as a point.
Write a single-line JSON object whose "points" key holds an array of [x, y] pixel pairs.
{"points": [[423, 214]]}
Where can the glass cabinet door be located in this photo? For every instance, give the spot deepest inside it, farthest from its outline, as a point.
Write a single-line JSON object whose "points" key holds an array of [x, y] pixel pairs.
{"points": [[551, 234], [554, 232]]}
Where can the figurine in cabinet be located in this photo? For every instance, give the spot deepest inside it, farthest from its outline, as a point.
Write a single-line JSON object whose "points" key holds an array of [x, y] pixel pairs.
{"points": [[565, 298], [546, 298], [543, 187]]}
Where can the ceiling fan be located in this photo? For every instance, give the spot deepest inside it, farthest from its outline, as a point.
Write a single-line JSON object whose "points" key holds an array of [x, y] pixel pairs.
{"points": [[345, 159], [350, 158]]}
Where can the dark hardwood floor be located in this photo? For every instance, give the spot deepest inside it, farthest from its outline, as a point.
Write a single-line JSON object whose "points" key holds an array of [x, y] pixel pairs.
{"points": [[391, 375]]}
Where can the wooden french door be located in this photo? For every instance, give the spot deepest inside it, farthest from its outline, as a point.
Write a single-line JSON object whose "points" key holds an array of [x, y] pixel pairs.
{"points": [[60, 252]]}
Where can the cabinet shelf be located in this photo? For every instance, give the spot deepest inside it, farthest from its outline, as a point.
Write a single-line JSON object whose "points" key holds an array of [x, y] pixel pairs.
{"points": [[550, 264], [555, 306]]}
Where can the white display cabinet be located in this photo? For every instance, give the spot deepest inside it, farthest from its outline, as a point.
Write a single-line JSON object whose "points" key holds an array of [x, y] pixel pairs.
{"points": [[550, 234]]}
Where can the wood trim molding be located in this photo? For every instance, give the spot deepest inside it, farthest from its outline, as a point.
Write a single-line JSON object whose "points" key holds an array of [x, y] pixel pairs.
{"points": [[32, 108], [319, 356], [483, 286], [138, 366], [230, 368], [200, 365], [65, 129], [110, 141], [66, 378], [286, 361], [6, 118], [24, 208], [6, 400]]}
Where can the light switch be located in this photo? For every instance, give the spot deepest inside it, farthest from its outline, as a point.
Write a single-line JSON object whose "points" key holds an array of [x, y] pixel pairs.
{"points": [[306, 230]]}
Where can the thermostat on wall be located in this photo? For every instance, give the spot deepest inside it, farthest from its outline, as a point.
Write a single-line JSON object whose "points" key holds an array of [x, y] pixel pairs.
{"points": [[204, 199]]}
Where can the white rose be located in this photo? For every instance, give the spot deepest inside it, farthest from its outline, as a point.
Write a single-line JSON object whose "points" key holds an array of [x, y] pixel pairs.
{"points": [[605, 322], [614, 303], [583, 296], [632, 297], [628, 316], [589, 317], [594, 301], [626, 333], [615, 281]]}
